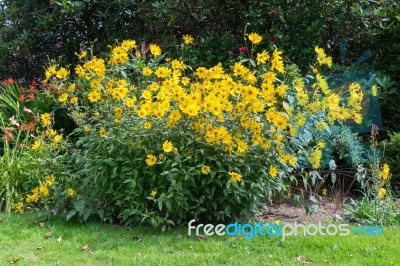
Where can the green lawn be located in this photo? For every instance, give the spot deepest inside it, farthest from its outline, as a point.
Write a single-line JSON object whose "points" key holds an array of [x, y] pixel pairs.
{"points": [[23, 242]]}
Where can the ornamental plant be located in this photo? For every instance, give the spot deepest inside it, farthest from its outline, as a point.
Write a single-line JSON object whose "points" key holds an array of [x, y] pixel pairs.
{"points": [[378, 205], [29, 153], [161, 141]]}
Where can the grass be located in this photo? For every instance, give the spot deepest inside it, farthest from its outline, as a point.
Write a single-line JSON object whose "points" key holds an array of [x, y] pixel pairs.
{"points": [[23, 242]]}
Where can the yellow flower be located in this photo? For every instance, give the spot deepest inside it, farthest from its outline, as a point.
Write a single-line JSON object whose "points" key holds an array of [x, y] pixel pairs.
{"points": [[46, 119], [128, 44], [374, 90], [80, 71], [44, 190], [322, 57], [315, 158], [73, 100], [384, 174], [118, 112], [167, 146], [153, 193], [255, 38], [94, 96], [205, 169], [187, 39], [151, 160], [277, 61], [102, 132], [321, 125], [62, 73], [50, 180], [155, 49], [320, 144], [382, 193], [50, 71], [36, 145], [147, 71], [262, 57], [324, 192], [57, 139], [63, 97], [82, 55], [33, 197], [273, 171], [19, 207], [70, 192], [242, 146], [163, 72], [147, 125], [235, 177]]}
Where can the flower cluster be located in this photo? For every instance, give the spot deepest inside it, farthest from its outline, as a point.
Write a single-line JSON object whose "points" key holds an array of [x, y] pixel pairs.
{"points": [[384, 174], [40, 191], [238, 109]]}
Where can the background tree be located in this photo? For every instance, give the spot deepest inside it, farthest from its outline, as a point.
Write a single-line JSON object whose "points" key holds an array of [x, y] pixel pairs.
{"points": [[32, 32]]}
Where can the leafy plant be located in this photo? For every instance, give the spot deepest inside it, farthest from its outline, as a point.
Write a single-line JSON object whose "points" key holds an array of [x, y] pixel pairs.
{"points": [[368, 211], [12, 165], [377, 206]]}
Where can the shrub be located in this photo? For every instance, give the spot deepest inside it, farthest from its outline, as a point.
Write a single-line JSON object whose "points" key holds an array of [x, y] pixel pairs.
{"points": [[392, 157], [161, 141]]}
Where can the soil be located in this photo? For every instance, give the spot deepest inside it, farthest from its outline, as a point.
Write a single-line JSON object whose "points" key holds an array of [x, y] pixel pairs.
{"points": [[290, 212]]}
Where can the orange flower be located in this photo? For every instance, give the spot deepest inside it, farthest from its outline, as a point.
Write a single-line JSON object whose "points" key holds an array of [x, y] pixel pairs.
{"points": [[8, 134]]}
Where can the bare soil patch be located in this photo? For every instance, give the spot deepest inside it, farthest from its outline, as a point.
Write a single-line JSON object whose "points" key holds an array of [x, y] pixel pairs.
{"points": [[289, 212]]}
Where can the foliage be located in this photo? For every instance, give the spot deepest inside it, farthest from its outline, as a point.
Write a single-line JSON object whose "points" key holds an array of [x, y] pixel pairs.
{"points": [[12, 165], [368, 211], [344, 146], [9, 99], [32, 29]]}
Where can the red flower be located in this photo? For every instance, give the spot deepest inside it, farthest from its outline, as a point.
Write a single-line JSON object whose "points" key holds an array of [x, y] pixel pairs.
{"points": [[32, 88], [22, 97], [24, 127], [243, 49], [8, 134], [31, 96], [9, 81], [31, 125], [274, 39], [374, 130], [47, 87]]}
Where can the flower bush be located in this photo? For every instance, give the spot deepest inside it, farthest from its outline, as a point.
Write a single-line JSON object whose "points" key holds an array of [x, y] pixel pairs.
{"points": [[161, 141]]}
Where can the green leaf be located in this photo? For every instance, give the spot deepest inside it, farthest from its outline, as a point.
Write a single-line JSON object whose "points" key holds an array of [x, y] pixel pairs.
{"points": [[86, 213], [70, 214]]}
